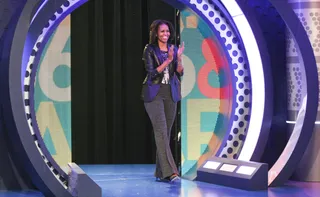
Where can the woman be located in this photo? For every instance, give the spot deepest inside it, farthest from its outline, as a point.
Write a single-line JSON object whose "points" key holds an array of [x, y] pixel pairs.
{"points": [[161, 92]]}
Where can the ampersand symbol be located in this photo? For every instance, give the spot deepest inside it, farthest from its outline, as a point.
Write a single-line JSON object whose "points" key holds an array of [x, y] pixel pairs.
{"points": [[215, 62]]}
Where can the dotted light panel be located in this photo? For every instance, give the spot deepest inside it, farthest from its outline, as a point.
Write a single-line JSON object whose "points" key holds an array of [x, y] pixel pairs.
{"points": [[295, 73], [296, 91], [309, 16]]}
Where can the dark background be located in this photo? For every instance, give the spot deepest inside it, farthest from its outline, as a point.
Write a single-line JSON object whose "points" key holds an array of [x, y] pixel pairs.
{"points": [[109, 122]]}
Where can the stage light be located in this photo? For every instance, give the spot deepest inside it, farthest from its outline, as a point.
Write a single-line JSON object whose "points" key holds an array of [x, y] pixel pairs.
{"points": [[228, 167], [246, 170], [211, 165], [294, 122], [234, 173]]}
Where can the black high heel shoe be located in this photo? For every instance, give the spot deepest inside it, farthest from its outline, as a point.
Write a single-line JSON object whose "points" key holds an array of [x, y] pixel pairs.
{"points": [[174, 178], [158, 179]]}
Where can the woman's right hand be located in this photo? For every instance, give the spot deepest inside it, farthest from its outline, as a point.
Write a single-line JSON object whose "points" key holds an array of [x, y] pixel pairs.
{"points": [[167, 61], [170, 53]]}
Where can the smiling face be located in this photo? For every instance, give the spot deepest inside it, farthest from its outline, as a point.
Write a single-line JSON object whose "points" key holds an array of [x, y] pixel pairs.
{"points": [[163, 33]]}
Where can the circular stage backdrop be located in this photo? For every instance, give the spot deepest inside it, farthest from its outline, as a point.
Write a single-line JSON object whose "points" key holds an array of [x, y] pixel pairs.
{"points": [[240, 90]]}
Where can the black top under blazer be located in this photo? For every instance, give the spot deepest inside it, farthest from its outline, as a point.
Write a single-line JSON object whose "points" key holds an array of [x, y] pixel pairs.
{"points": [[152, 59]]}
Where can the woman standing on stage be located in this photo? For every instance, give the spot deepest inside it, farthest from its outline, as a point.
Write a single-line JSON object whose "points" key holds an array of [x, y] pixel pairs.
{"points": [[161, 92]]}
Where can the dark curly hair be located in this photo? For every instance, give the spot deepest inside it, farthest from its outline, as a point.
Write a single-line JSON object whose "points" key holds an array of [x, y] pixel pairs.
{"points": [[154, 31]]}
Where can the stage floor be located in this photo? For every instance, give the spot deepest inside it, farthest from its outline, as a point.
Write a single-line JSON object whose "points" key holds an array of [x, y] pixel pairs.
{"points": [[138, 180]]}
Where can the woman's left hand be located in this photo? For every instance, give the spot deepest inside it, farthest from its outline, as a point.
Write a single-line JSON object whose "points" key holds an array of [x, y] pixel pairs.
{"points": [[180, 50], [180, 68]]}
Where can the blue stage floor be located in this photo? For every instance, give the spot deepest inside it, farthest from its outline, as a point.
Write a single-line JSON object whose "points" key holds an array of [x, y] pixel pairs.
{"points": [[138, 180]]}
